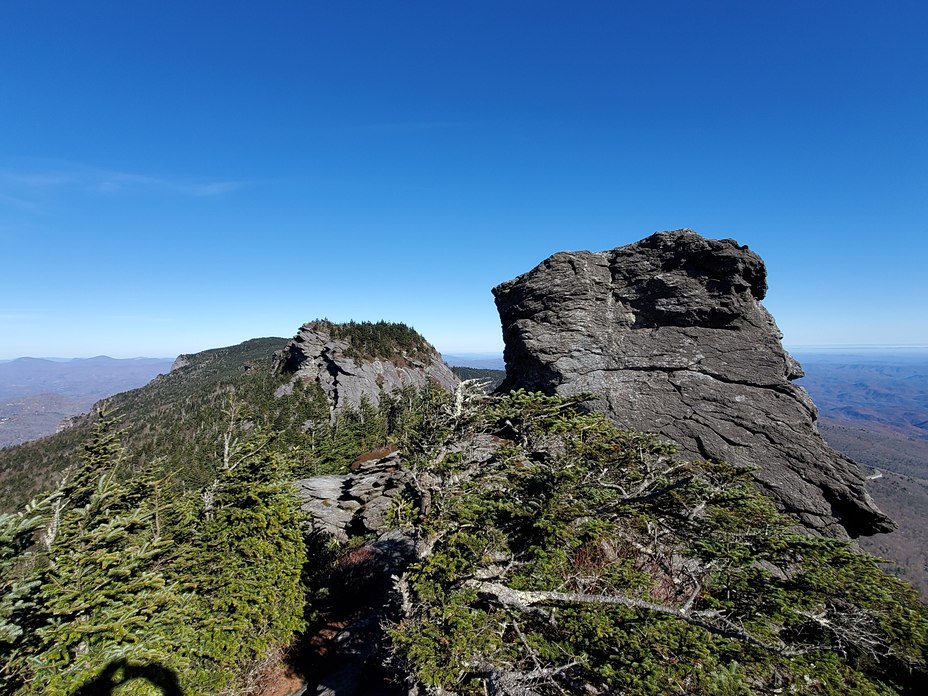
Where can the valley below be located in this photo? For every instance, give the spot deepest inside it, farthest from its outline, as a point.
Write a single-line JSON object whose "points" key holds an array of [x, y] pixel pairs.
{"points": [[37, 395], [873, 406]]}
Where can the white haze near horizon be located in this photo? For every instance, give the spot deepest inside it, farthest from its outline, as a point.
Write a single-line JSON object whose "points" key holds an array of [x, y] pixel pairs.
{"points": [[459, 358]]}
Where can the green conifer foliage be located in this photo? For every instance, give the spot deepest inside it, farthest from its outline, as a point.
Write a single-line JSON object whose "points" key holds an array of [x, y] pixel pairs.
{"points": [[380, 339], [584, 559], [103, 592], [109, 571], [242, 564], [569, 557], [21, 563]]}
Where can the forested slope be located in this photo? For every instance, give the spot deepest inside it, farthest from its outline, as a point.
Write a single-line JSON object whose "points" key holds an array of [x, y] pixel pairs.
{"points": [[554, 553], [175, 424]]}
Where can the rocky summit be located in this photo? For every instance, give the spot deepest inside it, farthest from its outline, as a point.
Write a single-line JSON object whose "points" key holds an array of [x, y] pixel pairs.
{"points": [[670, 335], [349, 368]]}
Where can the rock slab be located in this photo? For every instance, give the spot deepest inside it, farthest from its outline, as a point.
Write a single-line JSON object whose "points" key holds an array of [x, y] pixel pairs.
{"points": [[357, 503], [671, 335]]}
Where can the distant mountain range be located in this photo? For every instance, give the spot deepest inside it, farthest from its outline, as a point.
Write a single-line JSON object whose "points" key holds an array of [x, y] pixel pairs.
{"points": [[887, 391], [37, 394], [484, 361], [78, 377]]}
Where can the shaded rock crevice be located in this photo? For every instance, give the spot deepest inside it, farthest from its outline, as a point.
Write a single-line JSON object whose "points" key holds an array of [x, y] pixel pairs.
{"points": [[347, 650], [670, 334], [330, 384]]}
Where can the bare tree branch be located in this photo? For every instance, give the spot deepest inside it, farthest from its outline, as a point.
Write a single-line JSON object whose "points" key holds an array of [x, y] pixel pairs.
{"points": [[710, 620]]}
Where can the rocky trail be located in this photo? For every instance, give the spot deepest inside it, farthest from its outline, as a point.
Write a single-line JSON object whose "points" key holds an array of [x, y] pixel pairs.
{"points": [[343, 654]]}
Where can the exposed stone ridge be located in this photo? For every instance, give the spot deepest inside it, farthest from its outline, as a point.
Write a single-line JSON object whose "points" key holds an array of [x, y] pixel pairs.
{"points": [[315, 356], [671, 336], [359, 503]]}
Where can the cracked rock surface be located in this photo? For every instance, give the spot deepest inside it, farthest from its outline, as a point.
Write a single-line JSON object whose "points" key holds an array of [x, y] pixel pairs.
{"points": [[671, 336], [356, 503], [313, 355]]}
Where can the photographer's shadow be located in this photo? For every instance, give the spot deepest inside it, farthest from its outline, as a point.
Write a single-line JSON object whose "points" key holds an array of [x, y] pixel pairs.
{"points": [[118, 672]]}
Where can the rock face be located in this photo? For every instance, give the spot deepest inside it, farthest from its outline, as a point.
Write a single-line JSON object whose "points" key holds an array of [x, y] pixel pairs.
{"points": [[316, 356], [357, 503], [379, 485], [671, 336]]}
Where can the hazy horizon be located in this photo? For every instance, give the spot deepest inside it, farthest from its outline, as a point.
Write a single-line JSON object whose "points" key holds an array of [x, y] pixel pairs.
{"points": [[861, 349]]}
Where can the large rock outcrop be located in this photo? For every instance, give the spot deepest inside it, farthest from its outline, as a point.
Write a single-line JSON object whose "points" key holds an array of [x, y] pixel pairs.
{"points": [[318, 355], [671, 335]]}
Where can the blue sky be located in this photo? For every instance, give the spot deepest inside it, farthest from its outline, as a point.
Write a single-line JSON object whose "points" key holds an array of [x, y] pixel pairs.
{"points": [[176, 176]]}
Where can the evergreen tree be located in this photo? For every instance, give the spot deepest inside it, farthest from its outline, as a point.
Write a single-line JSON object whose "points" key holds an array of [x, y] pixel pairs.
{"points": [[585, 559], [103, 592], [135, 576], [22, 557], [241, 562]]}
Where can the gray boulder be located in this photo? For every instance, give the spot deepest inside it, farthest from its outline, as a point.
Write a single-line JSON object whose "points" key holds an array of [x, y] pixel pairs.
{"points": [[671, 335]]}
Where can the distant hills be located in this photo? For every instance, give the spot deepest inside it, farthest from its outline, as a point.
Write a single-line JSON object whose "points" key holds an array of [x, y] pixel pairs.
{"points": [[78, 377], [37, 394], [887, 391], [485, 361]]}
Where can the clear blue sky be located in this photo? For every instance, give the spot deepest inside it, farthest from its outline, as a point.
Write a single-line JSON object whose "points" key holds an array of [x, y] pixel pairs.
{"points": [[176, 176]]}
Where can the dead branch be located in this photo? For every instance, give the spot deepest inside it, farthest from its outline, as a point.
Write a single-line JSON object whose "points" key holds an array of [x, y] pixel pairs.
{"points": [[711, 620]]}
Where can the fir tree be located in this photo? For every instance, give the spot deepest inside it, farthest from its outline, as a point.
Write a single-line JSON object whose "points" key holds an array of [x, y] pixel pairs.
{"points": [[22, 558], [103, 592], [241, 562]]}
